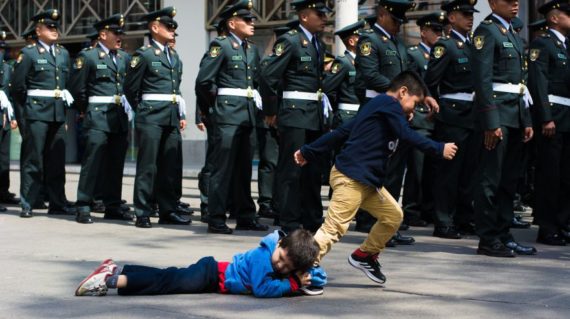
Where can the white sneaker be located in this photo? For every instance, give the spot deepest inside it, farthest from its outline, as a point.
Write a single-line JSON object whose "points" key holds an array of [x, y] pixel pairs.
{"points": [[94, 284], [312, 290]]}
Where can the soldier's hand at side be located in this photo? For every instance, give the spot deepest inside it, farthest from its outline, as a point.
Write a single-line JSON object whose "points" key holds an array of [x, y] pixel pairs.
{"points": [[432, 104], [201, 127], [548, 129], [271, 120], [3, 120], [182, 125], [13, 124], [449, 151], [299, 158], [528, 134], [492, 137]]}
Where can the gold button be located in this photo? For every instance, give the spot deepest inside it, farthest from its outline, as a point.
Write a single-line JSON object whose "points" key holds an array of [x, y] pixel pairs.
{"points": [[96, 109], [42, 68], [174, 81], [248, 67], [293, 106], [249, 77], [57, 87], [236, 67], [57, 77], [495, 96], [226, 101], [452, 105]]}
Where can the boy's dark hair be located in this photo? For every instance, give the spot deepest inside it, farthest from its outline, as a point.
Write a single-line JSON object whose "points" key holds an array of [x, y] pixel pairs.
{"points": [[412, 81], [302, 249]]}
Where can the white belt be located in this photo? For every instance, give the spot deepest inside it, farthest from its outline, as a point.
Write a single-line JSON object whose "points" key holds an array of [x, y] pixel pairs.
{"points": [[309, 96], [116, 99], [248, 93], [348, 107], [174, 98], [520, 89], [559, 100], [372, 94], [461, 96], [64, 95]]}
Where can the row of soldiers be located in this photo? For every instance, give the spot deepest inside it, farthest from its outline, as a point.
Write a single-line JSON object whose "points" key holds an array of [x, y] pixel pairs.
{"points": [[482, 87]]}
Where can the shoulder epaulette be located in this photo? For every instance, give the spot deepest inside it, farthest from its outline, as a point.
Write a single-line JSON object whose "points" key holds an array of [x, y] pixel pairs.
{"points": [[545, 35], [369, 31], [487, 21], [31, 45], [221, 37], [413, 48], [292, 32]]}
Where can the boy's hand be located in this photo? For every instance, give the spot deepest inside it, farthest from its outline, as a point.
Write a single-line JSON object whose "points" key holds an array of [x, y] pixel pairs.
{"points": [[449, 151], [299, 159], [304, 278]]}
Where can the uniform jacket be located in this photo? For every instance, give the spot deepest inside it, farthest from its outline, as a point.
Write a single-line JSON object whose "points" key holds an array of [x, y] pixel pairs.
{"points": [[6, 74], [339, 85], [450, 71], [36, 68], [228, 65], [149, 72], [296, 66], [549, 74], [418, 58], [95, 74], [498, 55]]}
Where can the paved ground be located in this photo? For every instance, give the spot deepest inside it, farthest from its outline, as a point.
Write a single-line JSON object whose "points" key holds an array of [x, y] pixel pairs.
{"points": [[44, 258]]}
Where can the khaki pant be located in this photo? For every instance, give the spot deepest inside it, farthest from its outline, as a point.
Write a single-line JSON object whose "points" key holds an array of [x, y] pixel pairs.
{"points": [[348, 196]]}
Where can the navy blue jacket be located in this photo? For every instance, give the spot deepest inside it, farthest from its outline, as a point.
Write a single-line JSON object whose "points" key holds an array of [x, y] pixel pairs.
{"points": [[369, 140]]}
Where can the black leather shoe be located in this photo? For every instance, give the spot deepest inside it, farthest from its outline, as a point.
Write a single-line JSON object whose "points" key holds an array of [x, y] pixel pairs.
{"points": [[184, 210], [40, 205], [495, 250], [98, 207], [518, 206], [123, 201], [404, 226], [143, 222], [391, 243], [9, 198], [267, 212], [124, 208], [466, 229], [173, 219], [403, 240], [183, 204], [117, 215], [515, 223], [565, 233], [219, 229], [26, 213], [416, 222], [65, 210], [448, 232], [83, 218], [520, 249], [552, 239], [252, 226], [3, 209]]}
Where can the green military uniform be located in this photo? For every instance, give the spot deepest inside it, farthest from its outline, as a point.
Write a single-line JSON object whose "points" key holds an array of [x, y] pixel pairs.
{"points": [[549, 84], [291, 91], [5, 134], [449, 79], [38, 86], [152, 87], [226, 82], [498, 57], [97, 85]]}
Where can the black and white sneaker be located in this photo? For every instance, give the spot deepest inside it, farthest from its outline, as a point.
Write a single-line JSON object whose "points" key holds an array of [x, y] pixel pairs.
{"points": [[369, 265], [312, 290]]}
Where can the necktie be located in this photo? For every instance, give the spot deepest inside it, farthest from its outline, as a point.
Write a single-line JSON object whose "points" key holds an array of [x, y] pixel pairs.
{"points": [[51, 51], [113, 55], [567, 44], [167, 55], [244, 46], [316, 44]]}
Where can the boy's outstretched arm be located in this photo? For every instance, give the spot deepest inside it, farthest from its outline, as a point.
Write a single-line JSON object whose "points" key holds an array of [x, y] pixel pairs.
{"points": [[326, 143]]}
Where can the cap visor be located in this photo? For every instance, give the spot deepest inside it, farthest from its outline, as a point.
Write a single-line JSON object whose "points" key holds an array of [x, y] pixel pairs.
{"points": [[324, 10]]}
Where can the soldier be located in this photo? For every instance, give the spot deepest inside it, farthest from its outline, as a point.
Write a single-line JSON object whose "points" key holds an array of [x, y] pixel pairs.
{"points": [[227, 84], [501, 108], [449, 78], [97, 84], [39, 85], [417, 198], [537, 28], [379, 58], [152, 88], [298, 113], [549, 84], [8, 123]]}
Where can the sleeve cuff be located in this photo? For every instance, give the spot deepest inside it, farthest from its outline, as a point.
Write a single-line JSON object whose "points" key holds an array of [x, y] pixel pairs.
{"points": [[294, 282]]}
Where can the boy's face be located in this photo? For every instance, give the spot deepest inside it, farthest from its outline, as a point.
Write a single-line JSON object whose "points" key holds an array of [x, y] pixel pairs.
{"points": [[281, 262], [407, 100]]}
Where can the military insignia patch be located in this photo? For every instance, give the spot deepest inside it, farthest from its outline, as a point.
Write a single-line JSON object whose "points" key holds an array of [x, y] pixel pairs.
{"points": [[533, 55], [426, 56], [305, 43], [279, 48], [215, 51], [42, 50], [101, 55], [365, 49], [335, 68], [78, 63], [20, 58], [135, 61], [157, 52], [479, 41], [438, 52]]}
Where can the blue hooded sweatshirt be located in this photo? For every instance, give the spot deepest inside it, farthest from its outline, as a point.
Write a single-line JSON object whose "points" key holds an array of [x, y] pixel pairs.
{"points": [[252, 271]]}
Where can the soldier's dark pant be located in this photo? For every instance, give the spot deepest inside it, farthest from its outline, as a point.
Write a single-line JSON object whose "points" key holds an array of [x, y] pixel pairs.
{"points": [[298, 189], [417, 200], [552, 204], [268, 156], [204, 175], [44, 158], [396, 169], [453, 182], [5, 160], [230, 178], [102, 169], [496, 185], [200, 277], [157, 168]]}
